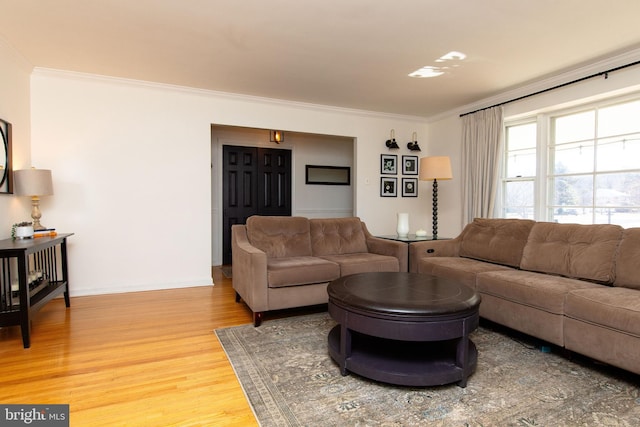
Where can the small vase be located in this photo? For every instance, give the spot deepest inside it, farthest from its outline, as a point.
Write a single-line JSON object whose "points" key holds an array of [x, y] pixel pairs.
{"points": [[403, 225]]}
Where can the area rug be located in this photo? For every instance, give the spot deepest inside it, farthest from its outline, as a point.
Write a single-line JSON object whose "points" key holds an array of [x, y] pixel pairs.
{"points": [[290, 380]]}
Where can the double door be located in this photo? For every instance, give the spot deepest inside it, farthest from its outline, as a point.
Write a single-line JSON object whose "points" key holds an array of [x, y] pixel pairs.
{"points": [[256, 181]]}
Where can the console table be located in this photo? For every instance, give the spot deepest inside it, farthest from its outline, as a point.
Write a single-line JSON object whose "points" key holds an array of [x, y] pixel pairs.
{"points": [[32, 273]]}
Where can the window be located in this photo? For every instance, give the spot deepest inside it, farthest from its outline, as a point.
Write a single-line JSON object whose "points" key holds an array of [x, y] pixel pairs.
{"points": [[520, 171], [585, 169]]}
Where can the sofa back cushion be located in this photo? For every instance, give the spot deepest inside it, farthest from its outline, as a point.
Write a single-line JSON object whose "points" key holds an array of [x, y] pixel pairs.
{"points": [[335, 236], [280, 236], [500, 241], [627, 260], [573, 250]]}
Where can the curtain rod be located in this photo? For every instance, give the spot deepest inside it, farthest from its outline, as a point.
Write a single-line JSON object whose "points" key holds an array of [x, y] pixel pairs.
{"points": [[605, 73]]}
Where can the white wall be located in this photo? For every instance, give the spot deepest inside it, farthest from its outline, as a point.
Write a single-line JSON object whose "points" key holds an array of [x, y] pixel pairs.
{"points": [[15, 74], [131, 163]]}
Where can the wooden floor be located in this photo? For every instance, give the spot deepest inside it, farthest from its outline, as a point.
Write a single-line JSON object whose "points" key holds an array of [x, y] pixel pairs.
{"points": [[136, 359]]}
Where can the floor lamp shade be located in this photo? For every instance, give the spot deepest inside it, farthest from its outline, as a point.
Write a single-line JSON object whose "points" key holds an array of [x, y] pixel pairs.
{"points": [[432, 169], [436, 167], [34, 183]]}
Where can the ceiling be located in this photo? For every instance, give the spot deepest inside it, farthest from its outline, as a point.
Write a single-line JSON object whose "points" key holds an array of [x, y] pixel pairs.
{"points": [[346, 53]]}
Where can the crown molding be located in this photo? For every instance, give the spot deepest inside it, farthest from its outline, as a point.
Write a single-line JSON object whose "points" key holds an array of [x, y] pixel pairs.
{"points": [[74, 75]]}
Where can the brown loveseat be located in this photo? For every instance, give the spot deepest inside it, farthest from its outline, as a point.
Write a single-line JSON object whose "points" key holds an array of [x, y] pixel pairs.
{"points": [[576, 286], [284, 262]]}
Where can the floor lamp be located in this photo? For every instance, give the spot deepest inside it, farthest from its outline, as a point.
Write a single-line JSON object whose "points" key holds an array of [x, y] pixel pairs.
{"points": [[435, 168]]}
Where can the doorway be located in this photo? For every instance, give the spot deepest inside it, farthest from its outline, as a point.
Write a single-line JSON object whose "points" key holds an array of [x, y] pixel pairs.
{"points": [[255, 181]]}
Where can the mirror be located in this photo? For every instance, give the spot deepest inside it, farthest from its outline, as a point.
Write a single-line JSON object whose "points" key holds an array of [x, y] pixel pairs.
{"points": [[328, 175], [6, 172]]}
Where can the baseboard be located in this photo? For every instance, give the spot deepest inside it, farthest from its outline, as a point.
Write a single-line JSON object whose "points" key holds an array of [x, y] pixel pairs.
{"points": [[140, 288]]}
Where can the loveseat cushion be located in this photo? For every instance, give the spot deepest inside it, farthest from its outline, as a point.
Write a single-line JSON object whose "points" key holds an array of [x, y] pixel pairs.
{"points": [[613, 308], [573, 250], [363, 263], [293, 271], [627, 260], [333, 236], [280, 236], [537, 290], [500, 241]]}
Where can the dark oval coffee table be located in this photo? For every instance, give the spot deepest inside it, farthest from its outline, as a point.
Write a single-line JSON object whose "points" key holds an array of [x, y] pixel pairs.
{"points": [[403, 328]]}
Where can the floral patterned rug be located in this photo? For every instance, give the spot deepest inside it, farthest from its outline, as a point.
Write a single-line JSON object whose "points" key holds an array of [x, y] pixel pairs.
{"points": [[290, 380]]}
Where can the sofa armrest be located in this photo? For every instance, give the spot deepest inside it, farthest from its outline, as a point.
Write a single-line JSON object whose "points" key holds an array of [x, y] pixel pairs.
{"points": [[377, 245], [249, 270], [432, 248]]}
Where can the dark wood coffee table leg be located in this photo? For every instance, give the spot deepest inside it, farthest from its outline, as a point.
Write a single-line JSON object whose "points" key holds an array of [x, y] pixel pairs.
{"points": [[462, 359], [345, 348]]}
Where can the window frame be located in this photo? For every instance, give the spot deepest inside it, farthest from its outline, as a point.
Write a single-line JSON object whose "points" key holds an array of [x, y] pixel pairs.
{"points": [[545, 175]]}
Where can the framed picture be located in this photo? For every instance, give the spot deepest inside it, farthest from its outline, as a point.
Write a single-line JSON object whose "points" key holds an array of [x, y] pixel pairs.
{"points": [[327, 175], [388, 187], [388, 164], [410, 165], [409, 187], [6, 170]]}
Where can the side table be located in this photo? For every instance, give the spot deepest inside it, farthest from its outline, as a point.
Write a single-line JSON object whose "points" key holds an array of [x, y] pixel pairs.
{"points": [[410, 239]]}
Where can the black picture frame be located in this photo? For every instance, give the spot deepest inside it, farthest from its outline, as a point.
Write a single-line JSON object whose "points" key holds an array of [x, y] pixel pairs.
{"points": [[327, 175], [388, 186], [6, 163], [410, 165], [388, 164], [409, 187]]}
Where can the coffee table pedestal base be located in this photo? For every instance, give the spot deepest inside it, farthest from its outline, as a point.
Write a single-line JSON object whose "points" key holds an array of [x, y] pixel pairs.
{"points": [[407, 363]]}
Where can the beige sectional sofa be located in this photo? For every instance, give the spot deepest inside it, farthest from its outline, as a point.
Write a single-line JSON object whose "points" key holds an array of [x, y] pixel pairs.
{"points": [[576, 286], [284, 262]]}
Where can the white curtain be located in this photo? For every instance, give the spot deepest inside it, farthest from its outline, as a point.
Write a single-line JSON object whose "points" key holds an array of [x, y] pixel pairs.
{"points": [[481, 151]]}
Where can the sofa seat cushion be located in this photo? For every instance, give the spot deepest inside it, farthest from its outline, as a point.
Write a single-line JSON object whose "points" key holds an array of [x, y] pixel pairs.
{"points": [[333, 236], [363, 263], [542, 291], [499, 241], [462, 269], [573, 250], [304, 270], [614, 308], [280, 236]]}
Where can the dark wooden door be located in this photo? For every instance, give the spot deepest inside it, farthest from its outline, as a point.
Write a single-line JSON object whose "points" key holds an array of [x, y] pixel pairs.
{"points": [[274, 181], [256, 181]]}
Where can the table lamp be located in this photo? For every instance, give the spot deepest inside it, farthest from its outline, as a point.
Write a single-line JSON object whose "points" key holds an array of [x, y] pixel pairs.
{"points": [[34, 183], [435, 168]]}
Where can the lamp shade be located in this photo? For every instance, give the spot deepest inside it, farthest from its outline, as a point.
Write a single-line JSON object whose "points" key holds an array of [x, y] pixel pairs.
{"points": [[435, 167], [33, 182]]}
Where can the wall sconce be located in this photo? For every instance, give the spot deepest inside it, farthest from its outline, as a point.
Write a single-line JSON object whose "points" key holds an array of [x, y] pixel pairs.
{"points": [[34, 183], [391, 143], [276, 136], [413, 144]]}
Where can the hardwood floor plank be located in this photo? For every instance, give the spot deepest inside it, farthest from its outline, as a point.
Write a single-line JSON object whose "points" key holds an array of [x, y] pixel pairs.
{"points": [[135, 359]]}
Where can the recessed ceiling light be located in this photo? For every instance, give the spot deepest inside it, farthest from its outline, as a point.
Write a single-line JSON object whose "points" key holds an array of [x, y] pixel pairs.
{"points": [[428, 71], [452, 56], [435, 71]]}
